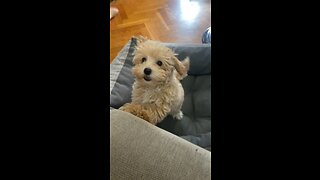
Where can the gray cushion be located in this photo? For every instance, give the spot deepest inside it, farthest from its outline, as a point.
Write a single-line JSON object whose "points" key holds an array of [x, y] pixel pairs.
{"points": [[196, 124]]}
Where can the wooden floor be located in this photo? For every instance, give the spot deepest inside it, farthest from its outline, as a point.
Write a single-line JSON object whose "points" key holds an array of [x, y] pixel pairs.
{"points": [[181, 21]]}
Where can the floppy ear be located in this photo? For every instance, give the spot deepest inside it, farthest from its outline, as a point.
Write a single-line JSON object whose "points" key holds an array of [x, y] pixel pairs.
{"points": [[140, 39], [182, 67]]}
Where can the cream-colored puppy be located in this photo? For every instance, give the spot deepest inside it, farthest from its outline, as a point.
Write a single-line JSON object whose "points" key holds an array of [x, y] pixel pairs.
{"points": [[157, 91]]}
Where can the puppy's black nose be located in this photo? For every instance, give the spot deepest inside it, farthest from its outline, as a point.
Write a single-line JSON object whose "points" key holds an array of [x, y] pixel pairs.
{"points": [[147, 71]]}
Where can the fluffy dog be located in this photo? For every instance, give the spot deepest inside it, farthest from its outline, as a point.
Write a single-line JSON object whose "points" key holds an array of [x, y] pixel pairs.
{"points": [[157, 91]]}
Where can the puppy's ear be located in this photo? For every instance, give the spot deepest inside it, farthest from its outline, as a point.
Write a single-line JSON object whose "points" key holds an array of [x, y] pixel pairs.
{"points": [[182, 67], [140, 39]]}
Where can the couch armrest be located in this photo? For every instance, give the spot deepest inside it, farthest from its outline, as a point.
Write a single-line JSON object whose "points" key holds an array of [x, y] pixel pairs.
{"points": [[140, 150]]}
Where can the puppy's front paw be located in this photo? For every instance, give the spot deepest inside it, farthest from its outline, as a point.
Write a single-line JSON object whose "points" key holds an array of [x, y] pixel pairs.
{"points": [[124, 107], [178, 116], [136, 110]]}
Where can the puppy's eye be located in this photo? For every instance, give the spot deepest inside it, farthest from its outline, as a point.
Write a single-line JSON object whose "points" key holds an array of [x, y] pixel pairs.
{"points": [[143, 59], [159, 63]]}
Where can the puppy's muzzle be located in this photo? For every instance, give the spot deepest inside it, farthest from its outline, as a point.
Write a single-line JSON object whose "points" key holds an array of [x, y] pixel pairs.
{"points": [[147, 71]]}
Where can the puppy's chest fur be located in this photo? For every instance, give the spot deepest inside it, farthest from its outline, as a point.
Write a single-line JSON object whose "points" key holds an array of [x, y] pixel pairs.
{"points": [[166, 95]]}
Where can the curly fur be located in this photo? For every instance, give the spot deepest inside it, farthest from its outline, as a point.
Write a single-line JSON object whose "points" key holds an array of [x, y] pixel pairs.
{"points": [[159, 94]]}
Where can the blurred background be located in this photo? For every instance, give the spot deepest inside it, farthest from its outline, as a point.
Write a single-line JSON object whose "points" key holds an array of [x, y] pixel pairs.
{"points": [[179, 21]]}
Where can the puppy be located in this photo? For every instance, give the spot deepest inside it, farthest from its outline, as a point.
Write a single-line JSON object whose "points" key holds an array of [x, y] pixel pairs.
{"points": [[157, 91]]}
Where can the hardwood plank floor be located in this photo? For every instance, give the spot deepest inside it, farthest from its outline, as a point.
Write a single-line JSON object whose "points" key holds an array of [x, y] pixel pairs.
{"points": [[181, 21]]}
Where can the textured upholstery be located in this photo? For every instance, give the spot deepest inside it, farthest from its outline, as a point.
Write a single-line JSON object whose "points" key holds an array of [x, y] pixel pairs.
{"points": [[153, 154]]}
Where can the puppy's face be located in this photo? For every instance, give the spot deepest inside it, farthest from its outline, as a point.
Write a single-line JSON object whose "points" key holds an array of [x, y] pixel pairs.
{"points": [[153, 62]]}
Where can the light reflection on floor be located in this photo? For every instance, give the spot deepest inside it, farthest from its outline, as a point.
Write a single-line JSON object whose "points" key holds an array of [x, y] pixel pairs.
{"points": [[189, 10]]}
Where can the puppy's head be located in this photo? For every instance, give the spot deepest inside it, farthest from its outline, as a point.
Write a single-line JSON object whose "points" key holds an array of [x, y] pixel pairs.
{"points": [[153, 62]]}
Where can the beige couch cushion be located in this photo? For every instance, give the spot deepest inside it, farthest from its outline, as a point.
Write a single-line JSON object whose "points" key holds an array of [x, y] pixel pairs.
{"points": [[140, 150]]}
